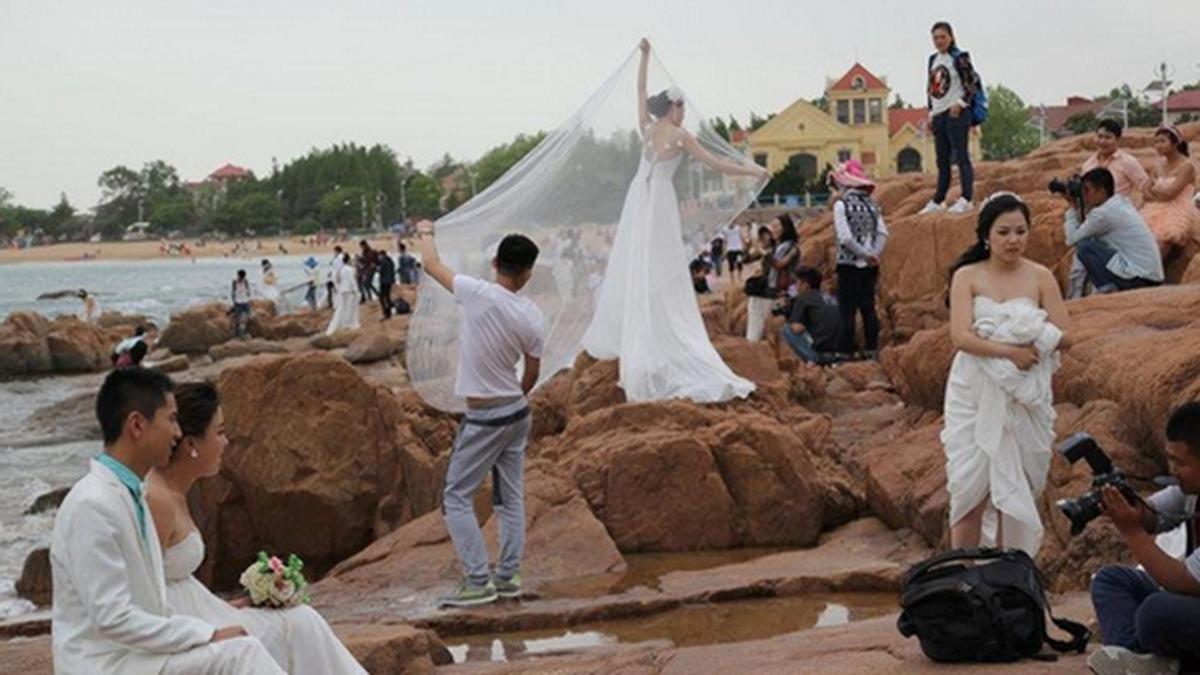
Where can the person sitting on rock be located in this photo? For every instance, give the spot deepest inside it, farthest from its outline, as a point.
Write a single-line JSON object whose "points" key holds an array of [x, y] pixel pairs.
{"points": [[1148, 617], [499, 329], [1113, 242], [1128, 179], [297, 638], [111, 614], [813, 322]]}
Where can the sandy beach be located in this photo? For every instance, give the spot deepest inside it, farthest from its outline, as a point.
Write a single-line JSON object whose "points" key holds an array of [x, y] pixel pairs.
{"points": [[152, 249]]}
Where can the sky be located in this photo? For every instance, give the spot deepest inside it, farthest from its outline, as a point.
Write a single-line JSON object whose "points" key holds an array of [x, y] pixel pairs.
{"points": [[89, 84]]}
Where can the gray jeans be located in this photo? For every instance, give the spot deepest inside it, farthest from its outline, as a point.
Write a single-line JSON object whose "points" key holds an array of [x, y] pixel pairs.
{"points": [[489, 440]]}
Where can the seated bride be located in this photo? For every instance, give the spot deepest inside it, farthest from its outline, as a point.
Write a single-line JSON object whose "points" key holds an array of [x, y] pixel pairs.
{"points": [[297, 638]]}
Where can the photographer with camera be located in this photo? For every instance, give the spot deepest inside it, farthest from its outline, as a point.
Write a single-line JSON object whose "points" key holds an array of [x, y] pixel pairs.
{"points": [[1112, 241], [1149, 619]]}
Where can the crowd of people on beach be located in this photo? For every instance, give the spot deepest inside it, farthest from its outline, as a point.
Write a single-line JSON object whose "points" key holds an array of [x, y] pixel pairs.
{"points": [[125, 546]]}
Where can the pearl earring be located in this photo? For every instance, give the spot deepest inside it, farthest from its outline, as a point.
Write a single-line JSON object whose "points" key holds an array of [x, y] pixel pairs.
{"points": [[194, 453]]}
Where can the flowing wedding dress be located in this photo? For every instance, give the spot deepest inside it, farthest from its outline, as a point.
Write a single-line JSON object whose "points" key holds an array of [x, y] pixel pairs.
{"points": [[298, 639], [999, 424], [646, 311], [345, 313]]}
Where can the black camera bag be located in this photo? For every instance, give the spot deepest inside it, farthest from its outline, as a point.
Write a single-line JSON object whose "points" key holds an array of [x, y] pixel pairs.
{"points": [[992, 611]]}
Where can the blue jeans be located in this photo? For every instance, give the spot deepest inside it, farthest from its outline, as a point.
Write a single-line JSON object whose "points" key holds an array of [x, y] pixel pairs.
{"points": [[1135, 613], [1095, 254], [951, 141], [802, 344]]}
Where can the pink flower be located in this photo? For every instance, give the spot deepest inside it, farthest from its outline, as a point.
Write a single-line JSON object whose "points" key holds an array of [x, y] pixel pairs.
{"points": [[276, 565]]}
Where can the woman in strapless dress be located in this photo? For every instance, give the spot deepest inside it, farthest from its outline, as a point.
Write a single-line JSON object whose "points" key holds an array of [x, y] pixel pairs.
{"points": [[299, 640]]}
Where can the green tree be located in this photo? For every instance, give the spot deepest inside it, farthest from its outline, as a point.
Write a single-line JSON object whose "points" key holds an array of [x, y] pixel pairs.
{"points": [[495, 162], [756, 122], [1007, 132], [5, 197], [1081, 123], [898, 103], [720, 128]]}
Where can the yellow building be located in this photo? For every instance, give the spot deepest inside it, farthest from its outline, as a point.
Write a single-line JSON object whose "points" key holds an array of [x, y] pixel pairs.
{"points": [[859, 125]]}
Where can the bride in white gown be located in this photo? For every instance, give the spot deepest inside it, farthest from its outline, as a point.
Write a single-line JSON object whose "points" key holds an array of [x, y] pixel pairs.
{"points": [[646, 313], [298, 639], [1007, 321]]}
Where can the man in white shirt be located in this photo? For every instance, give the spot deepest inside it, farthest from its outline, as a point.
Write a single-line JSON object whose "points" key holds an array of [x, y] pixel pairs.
{"points": [[1113, 242], [110, 613], [1149, 617], [500, 329], [735, 251]]}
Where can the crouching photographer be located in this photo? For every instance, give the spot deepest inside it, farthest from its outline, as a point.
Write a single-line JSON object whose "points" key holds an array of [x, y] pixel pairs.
{"points": [[1150, 619], [1113, 242]]}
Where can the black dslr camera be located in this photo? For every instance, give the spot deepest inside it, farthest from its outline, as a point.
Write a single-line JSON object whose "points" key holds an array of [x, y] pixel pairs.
{"points": [[1071, 188], [1087, 507]]}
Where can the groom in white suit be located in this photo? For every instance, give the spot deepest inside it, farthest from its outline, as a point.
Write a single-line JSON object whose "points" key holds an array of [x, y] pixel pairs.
{"points": [[110, 608]]}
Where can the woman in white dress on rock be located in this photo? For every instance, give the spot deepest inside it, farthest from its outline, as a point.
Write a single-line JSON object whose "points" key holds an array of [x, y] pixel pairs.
{"points": [[646, 313], [345, 285], [1007, 323], [269, 288], [298, 639]]}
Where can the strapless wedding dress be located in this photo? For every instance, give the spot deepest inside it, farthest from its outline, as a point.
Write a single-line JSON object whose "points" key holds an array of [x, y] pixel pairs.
{"points": [[999, 424], [298, 638], [646, 313]]}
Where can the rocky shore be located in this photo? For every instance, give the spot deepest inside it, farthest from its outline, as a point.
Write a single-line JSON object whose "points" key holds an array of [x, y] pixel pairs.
{"points": [[830, 481]]}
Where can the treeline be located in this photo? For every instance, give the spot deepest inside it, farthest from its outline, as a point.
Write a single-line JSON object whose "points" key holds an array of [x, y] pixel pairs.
{"points": [[343, 186]]}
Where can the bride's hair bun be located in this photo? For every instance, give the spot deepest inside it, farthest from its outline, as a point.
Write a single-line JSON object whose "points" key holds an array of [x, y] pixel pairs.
{"points": [[660, 104]]}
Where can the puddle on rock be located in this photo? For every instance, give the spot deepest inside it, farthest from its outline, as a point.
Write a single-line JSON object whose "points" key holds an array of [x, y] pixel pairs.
{"points": [[688, 626], [645, 569]]}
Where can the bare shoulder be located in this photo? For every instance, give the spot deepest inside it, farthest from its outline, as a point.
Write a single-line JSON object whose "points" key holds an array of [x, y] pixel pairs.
{"points": [[1039, 271], [967, 274]]}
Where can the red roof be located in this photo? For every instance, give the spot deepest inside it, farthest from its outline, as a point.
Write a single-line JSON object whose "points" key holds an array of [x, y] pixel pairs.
{"points": [[1057, 115], [857, 70], [1184, 100], [229, 171], [897, 118]]}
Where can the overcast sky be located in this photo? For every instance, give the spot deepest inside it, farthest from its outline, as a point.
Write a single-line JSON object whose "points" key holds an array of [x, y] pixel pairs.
{"points": [[88, 84]]}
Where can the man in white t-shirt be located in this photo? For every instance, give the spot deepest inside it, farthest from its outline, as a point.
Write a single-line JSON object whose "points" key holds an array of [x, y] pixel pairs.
{"points": [[500, 329], [735, 250]]}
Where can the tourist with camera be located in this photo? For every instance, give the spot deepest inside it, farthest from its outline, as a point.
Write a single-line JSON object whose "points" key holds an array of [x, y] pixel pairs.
{"points": [[1149, 617], [1128, 179], [1112, 241]]}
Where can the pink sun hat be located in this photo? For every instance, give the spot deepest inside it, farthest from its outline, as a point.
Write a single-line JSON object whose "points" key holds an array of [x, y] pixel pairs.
{"points": [[851, 174]]}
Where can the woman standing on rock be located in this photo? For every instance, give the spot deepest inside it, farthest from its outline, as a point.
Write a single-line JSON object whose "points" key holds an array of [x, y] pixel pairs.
{"points": [[298, 639], [1007, 322], [956, 100]]}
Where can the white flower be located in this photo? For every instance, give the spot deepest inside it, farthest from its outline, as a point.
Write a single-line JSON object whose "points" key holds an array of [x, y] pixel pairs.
{"points": [[675, 95], [284, 593], [260, 586]]}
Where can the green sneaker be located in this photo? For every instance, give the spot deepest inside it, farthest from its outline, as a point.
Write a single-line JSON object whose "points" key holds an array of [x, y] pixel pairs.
{"points": [[508, 588], [469, 595]]}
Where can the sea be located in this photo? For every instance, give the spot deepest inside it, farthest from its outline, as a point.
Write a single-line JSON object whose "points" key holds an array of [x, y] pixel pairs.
{"points": [[37, 458]]}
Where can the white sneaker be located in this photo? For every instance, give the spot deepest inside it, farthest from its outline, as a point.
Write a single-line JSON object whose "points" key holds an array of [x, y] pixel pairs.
{"points": [[961, 206], [932, 207], [1121, 661]]}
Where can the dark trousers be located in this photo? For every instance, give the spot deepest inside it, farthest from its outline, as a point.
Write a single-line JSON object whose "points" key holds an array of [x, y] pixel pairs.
{"points": [[951, 137], [1135, 613], [1094, 254], [385, 299], [329, 293], [855, 295]]}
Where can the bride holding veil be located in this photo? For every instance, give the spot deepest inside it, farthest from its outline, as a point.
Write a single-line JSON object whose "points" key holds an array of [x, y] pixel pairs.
{"points": [[619, 197], [646, 311]]}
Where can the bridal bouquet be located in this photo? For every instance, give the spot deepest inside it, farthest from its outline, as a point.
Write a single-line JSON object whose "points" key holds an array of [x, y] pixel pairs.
{"points": [[273, 583]]}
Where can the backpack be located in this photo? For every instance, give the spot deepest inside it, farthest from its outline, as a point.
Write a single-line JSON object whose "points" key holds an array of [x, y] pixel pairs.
{"points": [[993, 611]]}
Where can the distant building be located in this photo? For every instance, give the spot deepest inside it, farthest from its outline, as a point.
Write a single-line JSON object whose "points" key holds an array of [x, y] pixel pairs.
{"points": [[1057, 116], [858, 124], [1183, 107], [213, 189]]}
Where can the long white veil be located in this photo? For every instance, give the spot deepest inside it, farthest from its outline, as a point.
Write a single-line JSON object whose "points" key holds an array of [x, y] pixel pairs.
{"points": [[566, 195]]}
